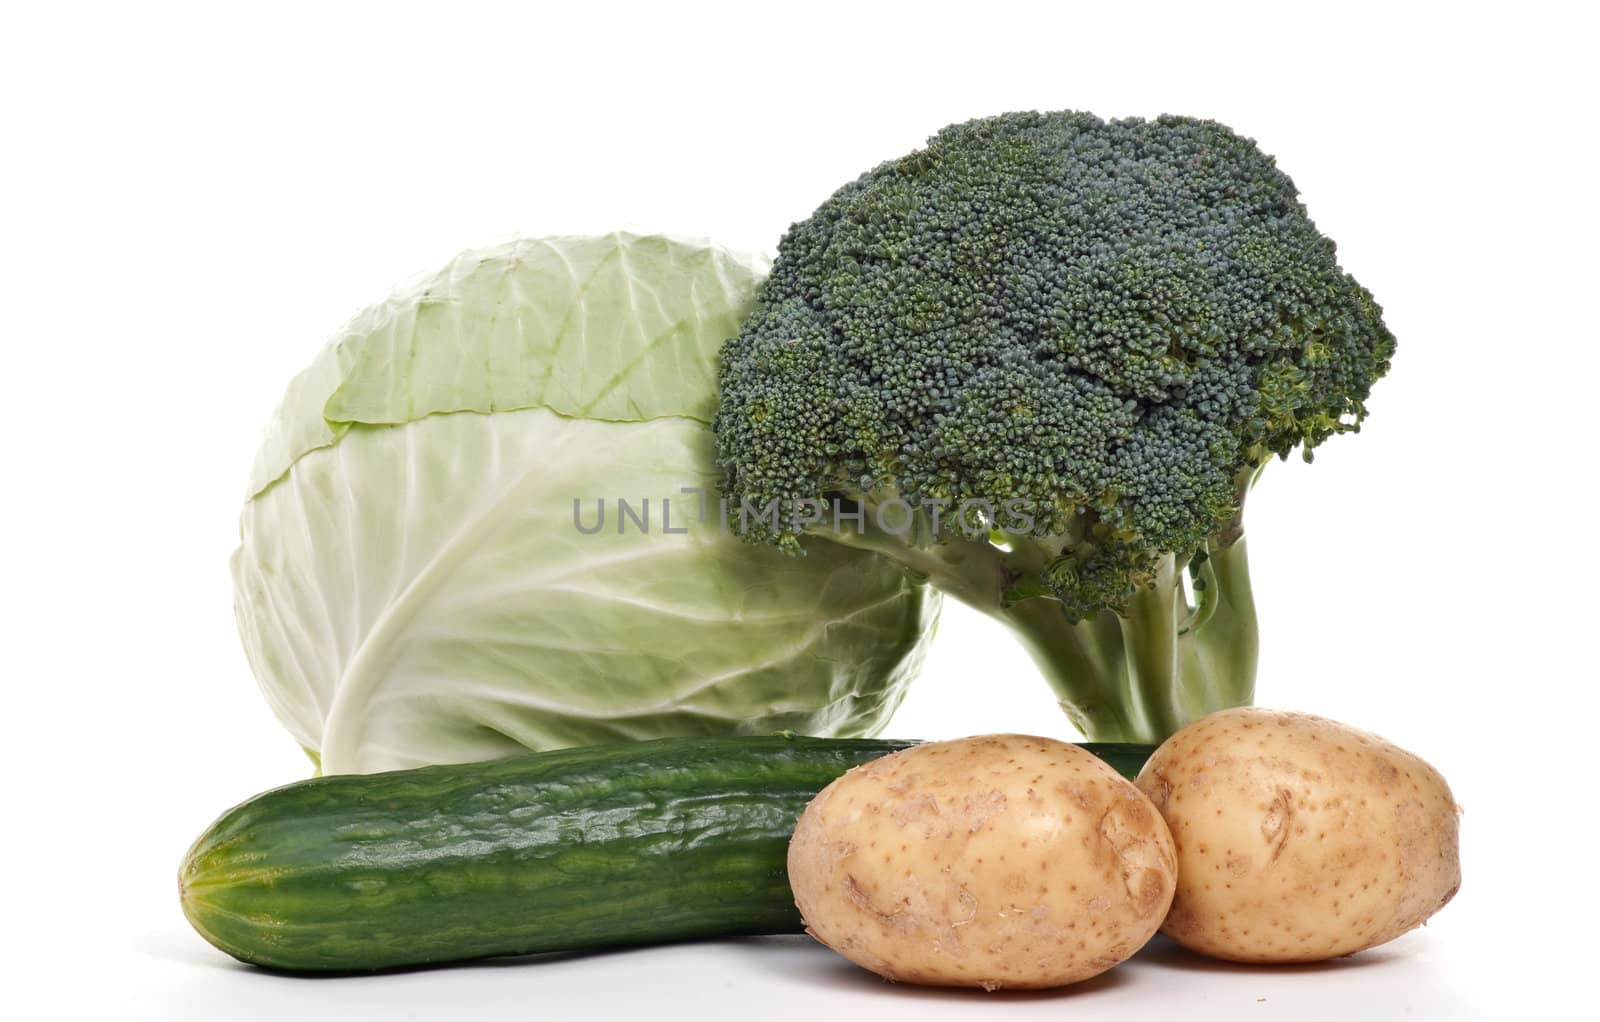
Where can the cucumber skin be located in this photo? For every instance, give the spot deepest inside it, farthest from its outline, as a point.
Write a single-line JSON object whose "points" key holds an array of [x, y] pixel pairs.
{"points": [[599, 846]]}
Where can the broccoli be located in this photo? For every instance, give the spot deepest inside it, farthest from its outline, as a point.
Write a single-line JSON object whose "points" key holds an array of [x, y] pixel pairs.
{"points": [[1041, 361]]}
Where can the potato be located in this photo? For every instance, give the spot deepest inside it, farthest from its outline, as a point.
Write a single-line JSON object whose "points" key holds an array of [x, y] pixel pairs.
{"points": [[1299, 838], [998, 861]]}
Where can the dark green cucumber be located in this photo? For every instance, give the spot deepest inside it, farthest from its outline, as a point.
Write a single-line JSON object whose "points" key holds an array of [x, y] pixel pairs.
{"points": [[591, 847]]}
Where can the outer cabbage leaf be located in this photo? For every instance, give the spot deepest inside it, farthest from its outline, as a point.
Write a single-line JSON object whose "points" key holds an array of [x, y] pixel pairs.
{"points": [[411, 586]]}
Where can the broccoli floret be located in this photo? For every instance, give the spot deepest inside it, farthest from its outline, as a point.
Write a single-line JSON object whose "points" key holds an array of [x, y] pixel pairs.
{"points": [[1105, 326]]}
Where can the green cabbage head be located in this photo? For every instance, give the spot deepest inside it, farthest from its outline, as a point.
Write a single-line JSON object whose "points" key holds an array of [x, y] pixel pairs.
{"points": [[412, 586]]}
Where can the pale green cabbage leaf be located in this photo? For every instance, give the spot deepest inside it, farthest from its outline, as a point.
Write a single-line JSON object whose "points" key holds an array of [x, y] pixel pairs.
{"points": [[411, 587]]}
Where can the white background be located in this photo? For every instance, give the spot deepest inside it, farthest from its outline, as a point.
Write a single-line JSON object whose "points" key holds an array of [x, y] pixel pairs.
{"points": [[194, 199]]}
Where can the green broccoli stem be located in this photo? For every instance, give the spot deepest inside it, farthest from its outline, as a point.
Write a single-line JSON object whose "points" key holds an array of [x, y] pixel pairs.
{"points": [[1152, 666], [1221, 647], [1084, 664], [1133, 676], [1140, 675]]}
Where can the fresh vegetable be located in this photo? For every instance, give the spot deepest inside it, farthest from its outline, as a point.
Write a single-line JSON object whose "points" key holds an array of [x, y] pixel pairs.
{"points": [[999, 861], [414, 583], [1043, 360], [610, 845], [1299, 838]]}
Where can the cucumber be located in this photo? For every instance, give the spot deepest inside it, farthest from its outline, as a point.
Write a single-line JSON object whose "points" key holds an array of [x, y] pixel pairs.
{"points": [[601, 846]]}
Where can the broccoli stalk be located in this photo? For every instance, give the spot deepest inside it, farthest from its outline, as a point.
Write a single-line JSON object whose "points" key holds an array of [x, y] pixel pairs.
{"points": [[1140, 672], [1171, 653], [1080, 340]]}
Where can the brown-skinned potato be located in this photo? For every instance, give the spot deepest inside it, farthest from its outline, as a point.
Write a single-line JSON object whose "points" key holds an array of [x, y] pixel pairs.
{"points": [[1299, 838], [997, 861]]}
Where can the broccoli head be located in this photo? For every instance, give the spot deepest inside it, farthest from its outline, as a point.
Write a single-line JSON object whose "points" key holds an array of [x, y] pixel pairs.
{"points": [[1041, 361]]}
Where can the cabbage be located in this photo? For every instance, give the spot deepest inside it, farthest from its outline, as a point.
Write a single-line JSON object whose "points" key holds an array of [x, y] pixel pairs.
{"points": [[412, 586]]}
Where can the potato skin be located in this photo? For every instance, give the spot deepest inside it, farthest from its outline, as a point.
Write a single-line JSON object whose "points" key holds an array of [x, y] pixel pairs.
{"points": [[1299, 838], [997, 861]]}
